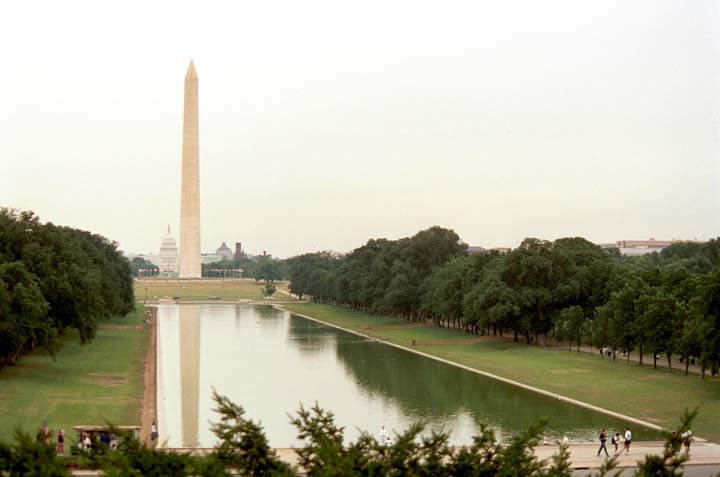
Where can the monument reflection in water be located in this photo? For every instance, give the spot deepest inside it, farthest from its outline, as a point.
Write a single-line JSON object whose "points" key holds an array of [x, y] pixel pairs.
{"points": [[270, 361]]}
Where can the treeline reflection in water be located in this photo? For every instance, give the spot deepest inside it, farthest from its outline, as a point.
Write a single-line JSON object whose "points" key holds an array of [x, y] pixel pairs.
{"points": [[270, 362], [434, 391]]}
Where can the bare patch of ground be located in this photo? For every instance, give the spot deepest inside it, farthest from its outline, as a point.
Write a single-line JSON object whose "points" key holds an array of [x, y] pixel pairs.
{"points": [[109, 380], [122, 327]]}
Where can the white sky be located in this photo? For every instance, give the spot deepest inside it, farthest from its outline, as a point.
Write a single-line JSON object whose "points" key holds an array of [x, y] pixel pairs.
{"points": [[326, 123]]}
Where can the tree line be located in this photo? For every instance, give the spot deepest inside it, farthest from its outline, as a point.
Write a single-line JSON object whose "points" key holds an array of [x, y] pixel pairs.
{"points": [[663, 304], [243, 449], [259, 267], [53, 278]]}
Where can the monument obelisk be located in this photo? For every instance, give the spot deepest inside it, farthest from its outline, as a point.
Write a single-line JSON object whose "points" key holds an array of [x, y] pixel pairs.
{"points": [[190, 186]]}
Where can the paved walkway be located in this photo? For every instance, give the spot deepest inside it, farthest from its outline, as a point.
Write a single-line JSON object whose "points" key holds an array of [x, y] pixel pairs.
{"points": [[585, 455]]}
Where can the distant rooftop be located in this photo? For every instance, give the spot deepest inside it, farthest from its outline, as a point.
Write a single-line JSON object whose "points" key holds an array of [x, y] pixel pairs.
{"points": [[649, 243], [642, 247], [474, 249]]}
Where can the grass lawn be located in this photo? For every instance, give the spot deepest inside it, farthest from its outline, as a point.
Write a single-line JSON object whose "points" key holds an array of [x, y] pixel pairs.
{"points": [[89, 384], [247, 289], [654, 395]]}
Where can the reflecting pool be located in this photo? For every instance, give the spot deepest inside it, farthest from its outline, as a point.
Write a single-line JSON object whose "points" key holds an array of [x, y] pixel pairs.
{"points": [[269, 361]]}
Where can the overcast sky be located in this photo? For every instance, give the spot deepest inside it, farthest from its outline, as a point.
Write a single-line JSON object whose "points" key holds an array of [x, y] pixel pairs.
{"points": [[326, 123]]}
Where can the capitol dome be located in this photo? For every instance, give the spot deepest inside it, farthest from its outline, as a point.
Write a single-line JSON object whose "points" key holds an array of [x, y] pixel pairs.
{"points": [[168, 245], [169, 256]]}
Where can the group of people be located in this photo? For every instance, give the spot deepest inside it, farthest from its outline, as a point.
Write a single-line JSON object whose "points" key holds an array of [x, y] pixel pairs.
{"points": [[105, 439], [626, 440], [616, 440], [44, 435]]}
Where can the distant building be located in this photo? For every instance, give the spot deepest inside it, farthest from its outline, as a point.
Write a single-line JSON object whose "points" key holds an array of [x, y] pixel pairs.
{"points": [[238, 251], [475, 249], [169, 259], [224, 251], [641, 247], [501, 249], [206, 258]]}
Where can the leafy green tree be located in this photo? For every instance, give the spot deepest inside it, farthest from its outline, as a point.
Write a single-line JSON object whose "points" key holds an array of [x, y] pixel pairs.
{"points": [[709, 307], [54, 278], [572, 320], [24, 321], [138, 263], [269, 288], [493, 302], [268, 269], [529, 271]]}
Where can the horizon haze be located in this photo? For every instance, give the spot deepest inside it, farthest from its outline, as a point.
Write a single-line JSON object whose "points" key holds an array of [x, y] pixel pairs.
{"points": [[325, 124]]}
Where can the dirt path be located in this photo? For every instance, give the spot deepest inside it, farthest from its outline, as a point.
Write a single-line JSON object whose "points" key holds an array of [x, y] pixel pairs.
{"points": [[122, 327], [634, 357], [148, 409]]}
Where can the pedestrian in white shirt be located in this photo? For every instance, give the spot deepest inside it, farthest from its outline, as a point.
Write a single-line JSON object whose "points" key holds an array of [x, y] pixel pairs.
{"points": [[383, 436], [628, 440]]}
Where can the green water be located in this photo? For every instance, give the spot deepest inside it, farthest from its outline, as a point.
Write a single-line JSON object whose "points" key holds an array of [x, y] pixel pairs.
{"points": [[270, 361]]}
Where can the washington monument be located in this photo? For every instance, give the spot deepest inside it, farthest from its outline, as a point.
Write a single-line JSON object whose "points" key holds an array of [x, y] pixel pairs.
{"points": [[190, 186]]}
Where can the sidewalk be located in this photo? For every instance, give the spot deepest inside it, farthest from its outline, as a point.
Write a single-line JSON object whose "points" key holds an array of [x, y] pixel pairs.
{"points": [[585, 455]]}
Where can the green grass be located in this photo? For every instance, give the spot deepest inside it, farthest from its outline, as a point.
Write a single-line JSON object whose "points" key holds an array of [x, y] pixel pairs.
{"points": [[247, 289], [654, 395], [89, 384]]}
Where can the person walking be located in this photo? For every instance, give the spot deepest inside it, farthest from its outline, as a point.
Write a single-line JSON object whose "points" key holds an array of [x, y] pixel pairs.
{"points": [[154, 434], [686, 438], [628, 440], [603, 441], [616, 441]]}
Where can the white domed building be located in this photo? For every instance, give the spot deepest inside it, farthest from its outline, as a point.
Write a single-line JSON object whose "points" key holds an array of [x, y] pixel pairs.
{"points": [[224, 251], [169, 257]]}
